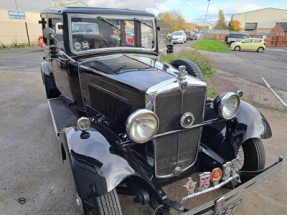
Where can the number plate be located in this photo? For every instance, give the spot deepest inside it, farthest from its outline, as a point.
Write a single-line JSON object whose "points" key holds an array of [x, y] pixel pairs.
{"points": [[230, 208]]}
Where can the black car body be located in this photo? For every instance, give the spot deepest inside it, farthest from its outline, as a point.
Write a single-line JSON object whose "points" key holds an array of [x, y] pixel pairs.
{"points": [[121, 87]]}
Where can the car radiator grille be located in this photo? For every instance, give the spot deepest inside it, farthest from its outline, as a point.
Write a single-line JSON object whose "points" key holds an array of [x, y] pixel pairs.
{"points": [[178, 149]]}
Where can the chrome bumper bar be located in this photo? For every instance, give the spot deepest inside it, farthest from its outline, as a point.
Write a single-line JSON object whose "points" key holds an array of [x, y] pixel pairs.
{"points": [[216, 206], [235, 177]]}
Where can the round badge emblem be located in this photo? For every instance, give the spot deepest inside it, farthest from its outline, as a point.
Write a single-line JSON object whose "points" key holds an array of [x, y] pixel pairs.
{"points": [[85, 45], [216, 175], [77, 46], [187, 120]]}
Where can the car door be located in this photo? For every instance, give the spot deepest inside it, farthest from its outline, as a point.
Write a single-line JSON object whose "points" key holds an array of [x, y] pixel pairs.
{"points": [[184, 36], [246, 44]]}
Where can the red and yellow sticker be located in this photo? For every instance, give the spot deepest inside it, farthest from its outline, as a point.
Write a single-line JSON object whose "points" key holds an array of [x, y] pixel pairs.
{"points": [[216, 175]]}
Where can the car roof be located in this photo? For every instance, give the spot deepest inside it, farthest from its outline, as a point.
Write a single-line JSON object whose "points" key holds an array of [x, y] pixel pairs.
{"points": [[95, 10]]}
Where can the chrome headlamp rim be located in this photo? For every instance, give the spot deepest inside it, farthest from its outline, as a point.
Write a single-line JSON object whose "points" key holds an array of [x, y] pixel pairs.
{"points": [[223, 98], [134, 116], [87, 125]]}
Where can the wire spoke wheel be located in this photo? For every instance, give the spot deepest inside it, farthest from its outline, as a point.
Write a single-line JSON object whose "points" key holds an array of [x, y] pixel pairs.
{"points": [[240, 159]]}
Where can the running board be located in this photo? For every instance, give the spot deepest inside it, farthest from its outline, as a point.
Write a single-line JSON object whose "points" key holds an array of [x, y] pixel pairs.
{"points": [[62, 115]]}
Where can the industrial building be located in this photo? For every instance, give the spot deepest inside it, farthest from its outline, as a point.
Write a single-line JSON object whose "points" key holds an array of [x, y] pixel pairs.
{"points": [[261, 20]]}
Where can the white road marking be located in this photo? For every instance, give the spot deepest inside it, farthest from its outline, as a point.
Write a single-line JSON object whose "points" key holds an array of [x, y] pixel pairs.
{"points": [[274, 92]]}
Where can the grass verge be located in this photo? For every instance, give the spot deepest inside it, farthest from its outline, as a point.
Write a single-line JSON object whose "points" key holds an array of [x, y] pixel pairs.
{"points": [[210, 45], [203, 61], [2, 46], [283, 111]]}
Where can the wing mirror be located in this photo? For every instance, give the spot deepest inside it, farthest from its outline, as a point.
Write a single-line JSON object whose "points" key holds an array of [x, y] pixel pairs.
{"points": [[49, 33], [169, 44], [54, 50]]}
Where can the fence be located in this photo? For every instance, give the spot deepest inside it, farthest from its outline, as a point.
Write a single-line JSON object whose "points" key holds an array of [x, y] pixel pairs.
{"points": [[19, 31], [217, 31], [271, 41], [165, 29]]}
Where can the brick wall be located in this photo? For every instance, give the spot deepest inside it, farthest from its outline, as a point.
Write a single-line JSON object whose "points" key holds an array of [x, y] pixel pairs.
{"points": [[277, 30]]}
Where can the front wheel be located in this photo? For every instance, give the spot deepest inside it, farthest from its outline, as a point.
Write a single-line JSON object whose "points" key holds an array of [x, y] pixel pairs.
{"points": [[237, 48], [251, 156], [107, 204]]}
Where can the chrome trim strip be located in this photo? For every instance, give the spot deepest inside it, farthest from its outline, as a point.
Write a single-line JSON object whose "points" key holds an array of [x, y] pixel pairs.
{"points": [[187, 129], [208, 122], [168, 86], [52, 115], [238, 193], [70, 16]]}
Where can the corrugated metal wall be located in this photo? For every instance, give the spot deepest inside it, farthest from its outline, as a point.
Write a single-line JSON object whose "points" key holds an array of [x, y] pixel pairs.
{"points": [[13, 31]]}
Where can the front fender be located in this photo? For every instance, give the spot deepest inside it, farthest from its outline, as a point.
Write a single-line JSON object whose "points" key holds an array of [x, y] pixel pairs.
{"points": [[226, 137], [96, 166]]}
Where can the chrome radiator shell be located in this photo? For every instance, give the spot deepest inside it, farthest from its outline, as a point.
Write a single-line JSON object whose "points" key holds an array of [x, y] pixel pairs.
{"points": [[182, 148]]}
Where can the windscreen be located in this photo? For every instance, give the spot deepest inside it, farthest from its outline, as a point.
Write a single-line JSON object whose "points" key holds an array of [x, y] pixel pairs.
{"points": [[100, 32], [177, 33]]}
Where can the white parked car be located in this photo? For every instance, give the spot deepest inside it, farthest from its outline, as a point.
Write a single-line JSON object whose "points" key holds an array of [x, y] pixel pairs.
{"points": [[178, 37]]}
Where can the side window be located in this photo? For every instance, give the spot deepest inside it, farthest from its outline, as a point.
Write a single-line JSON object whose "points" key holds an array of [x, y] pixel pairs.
{"points": [[245, 37], [57, 25], [130, 32], [257, 41], [249, 41], [147, 35], [44, 25]]}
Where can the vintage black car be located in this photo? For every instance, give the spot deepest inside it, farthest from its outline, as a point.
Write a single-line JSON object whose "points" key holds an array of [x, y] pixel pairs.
{"points": [[130, 124]]}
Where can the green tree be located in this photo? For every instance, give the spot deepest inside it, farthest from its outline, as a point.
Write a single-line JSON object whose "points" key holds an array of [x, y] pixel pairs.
{"points": [[221, 23]]}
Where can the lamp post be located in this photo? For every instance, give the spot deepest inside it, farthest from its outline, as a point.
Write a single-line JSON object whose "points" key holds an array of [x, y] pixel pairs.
{"points": [[16, 5], [205, 18]]}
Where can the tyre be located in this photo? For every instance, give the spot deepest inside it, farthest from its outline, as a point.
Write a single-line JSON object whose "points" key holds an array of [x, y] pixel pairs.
{"points": [[251, 156], [260, 50], [107, 204], [237, 48], [191, 68]]}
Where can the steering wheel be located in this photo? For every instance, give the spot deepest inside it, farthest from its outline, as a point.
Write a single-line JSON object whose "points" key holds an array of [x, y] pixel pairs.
{"points": [[106, 43]]}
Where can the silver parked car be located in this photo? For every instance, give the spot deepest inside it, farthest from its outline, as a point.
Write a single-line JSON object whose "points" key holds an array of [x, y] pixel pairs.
{"points": [[231, 38], [178, 37]]}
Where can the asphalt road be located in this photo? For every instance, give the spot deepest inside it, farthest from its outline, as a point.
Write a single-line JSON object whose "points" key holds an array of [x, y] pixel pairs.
{"points": [[250, 65], [31, 162]]}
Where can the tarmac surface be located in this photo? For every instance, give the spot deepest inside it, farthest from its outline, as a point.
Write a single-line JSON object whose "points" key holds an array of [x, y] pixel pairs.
{"points": [[31, 162]]}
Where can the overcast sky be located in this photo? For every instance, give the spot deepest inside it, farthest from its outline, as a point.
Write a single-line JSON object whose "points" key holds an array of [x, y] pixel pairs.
{"points": [[192, 10]]}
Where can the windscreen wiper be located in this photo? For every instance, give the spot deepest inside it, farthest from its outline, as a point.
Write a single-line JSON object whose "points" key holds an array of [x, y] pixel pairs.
{"points": [[138, 20], [118, 70], [106, 21]]}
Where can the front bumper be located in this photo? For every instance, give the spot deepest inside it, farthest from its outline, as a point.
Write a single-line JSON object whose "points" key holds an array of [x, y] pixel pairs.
{"points": [[218, 205], [178, 41]]}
